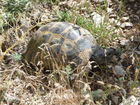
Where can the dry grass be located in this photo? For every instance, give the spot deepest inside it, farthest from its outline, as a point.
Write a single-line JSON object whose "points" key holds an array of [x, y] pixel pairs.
{"points": [[22, 84], [20, 88]]}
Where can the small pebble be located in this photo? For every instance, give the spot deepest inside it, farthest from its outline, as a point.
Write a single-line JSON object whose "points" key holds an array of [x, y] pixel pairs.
{"points": [[12, 100], [126, 25], [97, 19], [132, 100], [119, 70], [109, 10], [124, 42], [99, 1], [138, 53], [98, 93], [113, 16], [124, 19]]}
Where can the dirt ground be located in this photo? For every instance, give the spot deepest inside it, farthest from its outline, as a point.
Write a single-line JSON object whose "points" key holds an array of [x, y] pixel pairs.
{"points": [[117, 83]]}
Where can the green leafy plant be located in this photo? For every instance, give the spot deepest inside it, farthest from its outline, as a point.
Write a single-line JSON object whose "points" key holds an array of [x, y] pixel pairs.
{"points": [[68, 70], [16, 57], [47, 1], [103, 34], [64, 16], [15, 6]]}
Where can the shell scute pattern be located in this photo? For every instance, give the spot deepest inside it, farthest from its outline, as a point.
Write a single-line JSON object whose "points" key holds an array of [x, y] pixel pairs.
{"points": [[72, 34], [68, 34], [57, 27], [63, 38]]}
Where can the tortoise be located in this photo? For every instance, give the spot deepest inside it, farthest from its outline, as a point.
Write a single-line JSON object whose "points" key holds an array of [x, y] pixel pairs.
{"points": [[63, 43]]}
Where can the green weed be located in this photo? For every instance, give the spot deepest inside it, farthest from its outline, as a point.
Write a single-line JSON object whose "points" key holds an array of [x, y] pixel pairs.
{"points": [[103, 35], [10, 11], [15, 6], [46, 1], [64, 16], [16, 57]]}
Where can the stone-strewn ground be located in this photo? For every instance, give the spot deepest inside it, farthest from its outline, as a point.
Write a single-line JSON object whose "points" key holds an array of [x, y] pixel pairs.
{"points": [[114, 23]]}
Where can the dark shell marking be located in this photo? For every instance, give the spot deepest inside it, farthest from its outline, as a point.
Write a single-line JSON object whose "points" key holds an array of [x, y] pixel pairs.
{"points": [[62, 39]]}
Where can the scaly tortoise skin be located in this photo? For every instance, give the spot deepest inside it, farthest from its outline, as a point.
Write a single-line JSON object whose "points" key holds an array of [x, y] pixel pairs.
{"points": [[61, 43]]}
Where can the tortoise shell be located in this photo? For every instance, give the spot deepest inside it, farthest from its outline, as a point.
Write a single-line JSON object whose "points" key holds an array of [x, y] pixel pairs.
{"points": [[60, 43]]}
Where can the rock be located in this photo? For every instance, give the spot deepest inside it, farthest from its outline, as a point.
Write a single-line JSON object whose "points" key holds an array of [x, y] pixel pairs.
{"points": [[12, 100], [97, 19], [138, 53], [113, 16], [132, 100], [109, 10], [115, 99], [98, 93], [124, 42], [99, 1], [126, 25], [124, 19], [119, 71], [113, 20]]}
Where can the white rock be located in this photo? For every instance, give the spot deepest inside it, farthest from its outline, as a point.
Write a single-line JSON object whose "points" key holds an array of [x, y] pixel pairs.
{"points": [[132, 100], [119, 70], [118, 24], [99, 1], [109, 10], [113, 16], [10, 98], [124, 42], [126, 24], [112, 20], [123, 19], [97, 19]]}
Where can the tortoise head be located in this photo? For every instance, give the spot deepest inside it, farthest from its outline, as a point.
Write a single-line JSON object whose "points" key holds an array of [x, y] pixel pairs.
{"points": [[103, 56]]}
